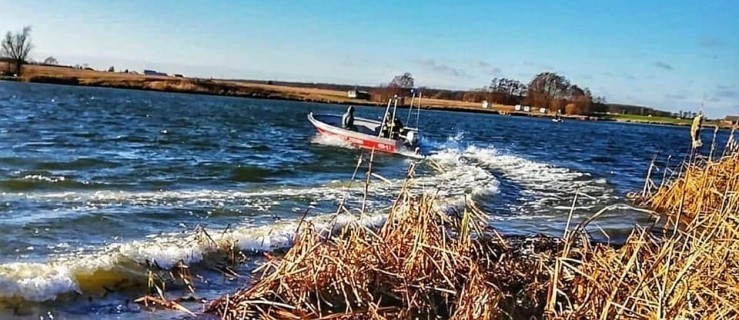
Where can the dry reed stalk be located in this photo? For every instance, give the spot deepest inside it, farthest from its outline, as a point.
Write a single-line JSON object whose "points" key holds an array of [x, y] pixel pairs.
{"points": [[691, 273], [421, 263], [424, 263]]}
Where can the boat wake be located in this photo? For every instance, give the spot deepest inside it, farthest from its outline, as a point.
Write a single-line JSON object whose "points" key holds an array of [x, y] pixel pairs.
{"points": [[330, 140], [465, 171]]}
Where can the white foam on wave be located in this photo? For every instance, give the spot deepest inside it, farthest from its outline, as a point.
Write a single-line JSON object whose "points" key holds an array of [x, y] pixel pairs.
{"points": [[39, 177], [35, 281], [64, 271], [543, 183], [330, 140], [467, 176], [466, 171], [45, 281]]}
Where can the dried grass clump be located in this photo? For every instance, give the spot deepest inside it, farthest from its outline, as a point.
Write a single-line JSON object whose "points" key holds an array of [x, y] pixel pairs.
{"points": [[702, 188], [421, 263], [690, 272], [424, 263], [360, 272]]}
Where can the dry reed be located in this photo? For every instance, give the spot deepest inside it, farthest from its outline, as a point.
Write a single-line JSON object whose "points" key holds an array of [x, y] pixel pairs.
{"points": [[421, 263], [425, 263], [689, 272]]}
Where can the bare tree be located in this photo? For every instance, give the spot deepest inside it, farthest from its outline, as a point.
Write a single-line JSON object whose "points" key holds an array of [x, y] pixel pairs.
{"points": [[506, 91], [17, 47], [51, 61], [402, 81]]}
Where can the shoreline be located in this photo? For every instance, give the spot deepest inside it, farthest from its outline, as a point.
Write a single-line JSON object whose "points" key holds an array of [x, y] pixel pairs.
{"points": [[246, 89]]}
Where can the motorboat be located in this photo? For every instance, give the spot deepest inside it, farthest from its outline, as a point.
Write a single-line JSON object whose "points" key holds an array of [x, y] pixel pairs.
{"points": [[374, 134]]}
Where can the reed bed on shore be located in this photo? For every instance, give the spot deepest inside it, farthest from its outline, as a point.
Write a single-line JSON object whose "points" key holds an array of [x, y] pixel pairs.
{"points": [[425, 263], [422, 263], [688, 272]]}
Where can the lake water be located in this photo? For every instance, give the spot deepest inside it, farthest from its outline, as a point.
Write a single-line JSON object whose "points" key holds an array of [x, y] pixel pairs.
{"points": [[96, 182]]}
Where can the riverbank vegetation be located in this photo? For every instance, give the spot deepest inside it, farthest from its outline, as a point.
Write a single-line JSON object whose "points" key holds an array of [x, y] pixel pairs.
{"points": [[548, 90], [431, 264]]}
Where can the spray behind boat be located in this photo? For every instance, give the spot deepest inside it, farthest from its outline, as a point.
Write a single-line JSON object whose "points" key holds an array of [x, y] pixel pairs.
{"points": [[411, 134]]}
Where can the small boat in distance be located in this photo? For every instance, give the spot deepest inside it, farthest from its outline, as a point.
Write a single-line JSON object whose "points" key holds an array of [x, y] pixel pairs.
{"points": [[374, 134]]}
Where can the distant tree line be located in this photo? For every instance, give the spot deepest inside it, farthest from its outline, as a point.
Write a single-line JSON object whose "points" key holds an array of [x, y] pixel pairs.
{"points": [[546, 90]]}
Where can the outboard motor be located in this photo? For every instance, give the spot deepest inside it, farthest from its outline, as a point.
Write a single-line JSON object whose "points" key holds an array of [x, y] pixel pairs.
{"points": [[411, 138]]}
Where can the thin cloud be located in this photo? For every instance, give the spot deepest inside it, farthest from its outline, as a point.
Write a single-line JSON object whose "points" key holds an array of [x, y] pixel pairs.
{"points": [[726, 93], [608, 74], [663, 65], [722, 93], [711, 43], [441, 68], [675, 96], [629, 77], [541, 66], [488, 68], [587, 76]]}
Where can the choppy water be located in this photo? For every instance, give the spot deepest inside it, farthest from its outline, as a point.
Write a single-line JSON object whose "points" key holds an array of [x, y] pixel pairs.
{"points": [[95, 182]]}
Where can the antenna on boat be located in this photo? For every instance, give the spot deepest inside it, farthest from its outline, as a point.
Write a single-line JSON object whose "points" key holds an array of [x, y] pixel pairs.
{"points": [[387, 109], [411, 108], [395, 108], [418, 110], [418, 107]]}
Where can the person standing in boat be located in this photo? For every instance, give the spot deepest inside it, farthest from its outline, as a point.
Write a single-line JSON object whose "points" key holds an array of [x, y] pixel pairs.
{"points": [[347, 121], [396, 129], [386, 125]]}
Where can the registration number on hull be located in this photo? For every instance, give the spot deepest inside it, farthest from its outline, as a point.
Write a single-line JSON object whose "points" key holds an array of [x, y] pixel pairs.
{"points": [[369, 144]]}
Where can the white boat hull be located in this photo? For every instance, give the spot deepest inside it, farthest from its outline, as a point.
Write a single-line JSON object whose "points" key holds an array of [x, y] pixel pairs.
{"points": [[366, 136]]}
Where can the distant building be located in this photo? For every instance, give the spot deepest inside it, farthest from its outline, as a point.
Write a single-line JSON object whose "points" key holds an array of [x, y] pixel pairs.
{"points": [[154, 73], [731, 120], [485, 104], [177, 75], [357, 94]]}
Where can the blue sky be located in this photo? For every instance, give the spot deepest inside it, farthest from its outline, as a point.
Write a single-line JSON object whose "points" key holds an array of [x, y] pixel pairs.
{"points": [[672, 55]]}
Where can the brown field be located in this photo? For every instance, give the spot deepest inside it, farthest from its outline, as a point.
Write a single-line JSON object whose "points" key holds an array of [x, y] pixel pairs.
{"points": [[245, 88], [70, 76]]}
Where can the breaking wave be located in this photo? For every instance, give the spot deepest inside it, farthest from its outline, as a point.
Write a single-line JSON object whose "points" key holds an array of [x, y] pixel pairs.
{"points": [[466, 170], [89, 271]]}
